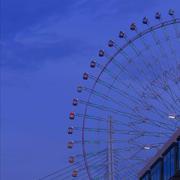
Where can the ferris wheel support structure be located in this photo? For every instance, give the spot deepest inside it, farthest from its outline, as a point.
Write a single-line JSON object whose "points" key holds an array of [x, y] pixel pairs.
{"points": [[110, 150]]}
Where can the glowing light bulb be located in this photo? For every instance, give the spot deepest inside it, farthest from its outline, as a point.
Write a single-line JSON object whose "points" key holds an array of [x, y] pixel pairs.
{"points": [[147, 147], [172, 116]]}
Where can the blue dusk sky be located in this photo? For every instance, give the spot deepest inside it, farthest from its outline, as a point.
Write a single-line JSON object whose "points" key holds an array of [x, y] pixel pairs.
{"points": [[45, 47]]}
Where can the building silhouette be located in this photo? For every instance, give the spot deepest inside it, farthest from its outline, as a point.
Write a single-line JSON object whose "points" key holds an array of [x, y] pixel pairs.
{"points": [[165, 165]]}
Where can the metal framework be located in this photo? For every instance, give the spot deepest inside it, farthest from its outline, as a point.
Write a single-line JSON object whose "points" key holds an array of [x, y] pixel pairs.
{"points": [[142, 106], [110, 151], [136, 92]]}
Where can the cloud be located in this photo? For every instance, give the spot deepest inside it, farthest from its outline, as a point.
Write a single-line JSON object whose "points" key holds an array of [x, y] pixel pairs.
{"points": [[79, 30]]}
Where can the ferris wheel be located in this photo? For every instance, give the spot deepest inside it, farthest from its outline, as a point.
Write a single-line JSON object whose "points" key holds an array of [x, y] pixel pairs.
{"points": [[129, 104]]}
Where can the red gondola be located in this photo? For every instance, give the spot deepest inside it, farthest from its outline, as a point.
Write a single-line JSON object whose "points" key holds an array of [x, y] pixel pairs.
{"points": [[71, 159], [71, 115], [74, 173]]}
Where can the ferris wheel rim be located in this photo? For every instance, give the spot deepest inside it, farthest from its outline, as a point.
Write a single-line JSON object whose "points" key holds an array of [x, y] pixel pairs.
{"points": [[125, 45]]}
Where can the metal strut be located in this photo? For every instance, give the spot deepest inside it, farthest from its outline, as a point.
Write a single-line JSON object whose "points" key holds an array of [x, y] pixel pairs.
{"points": [[110, 150]]}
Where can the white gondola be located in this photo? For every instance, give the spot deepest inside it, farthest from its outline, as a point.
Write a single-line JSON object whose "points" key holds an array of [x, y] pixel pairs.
{"points": [[121, 34], [85, 76], [75, 102], [79, 89], [70, 130], [171, 12], [145, 20], [110, 43], [70, 144], [93, 64], [158, 15], [133, 26], [101, 53]]}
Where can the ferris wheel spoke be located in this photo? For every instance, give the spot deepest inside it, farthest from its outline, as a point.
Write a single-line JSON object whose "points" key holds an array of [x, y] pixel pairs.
{"points": [[117, 90], [130, 86], [127, 132], [129, 175], [117, 159], [90, 155], [105, 97], [99, 177], [122, 93], [99, 173], [97, 163], [63, 173], [124, 169], [133, 171], [139, 115], [175, 26], [116, 77], [167, 37], [165, 87], [105, 120], [158, 96], [125, 160], [139, 53], [158, 124], [143, 120], [149, 49], [109, 109], [133, 115], [99, 169], [130, 61], [171, 95], [159, 45]]}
